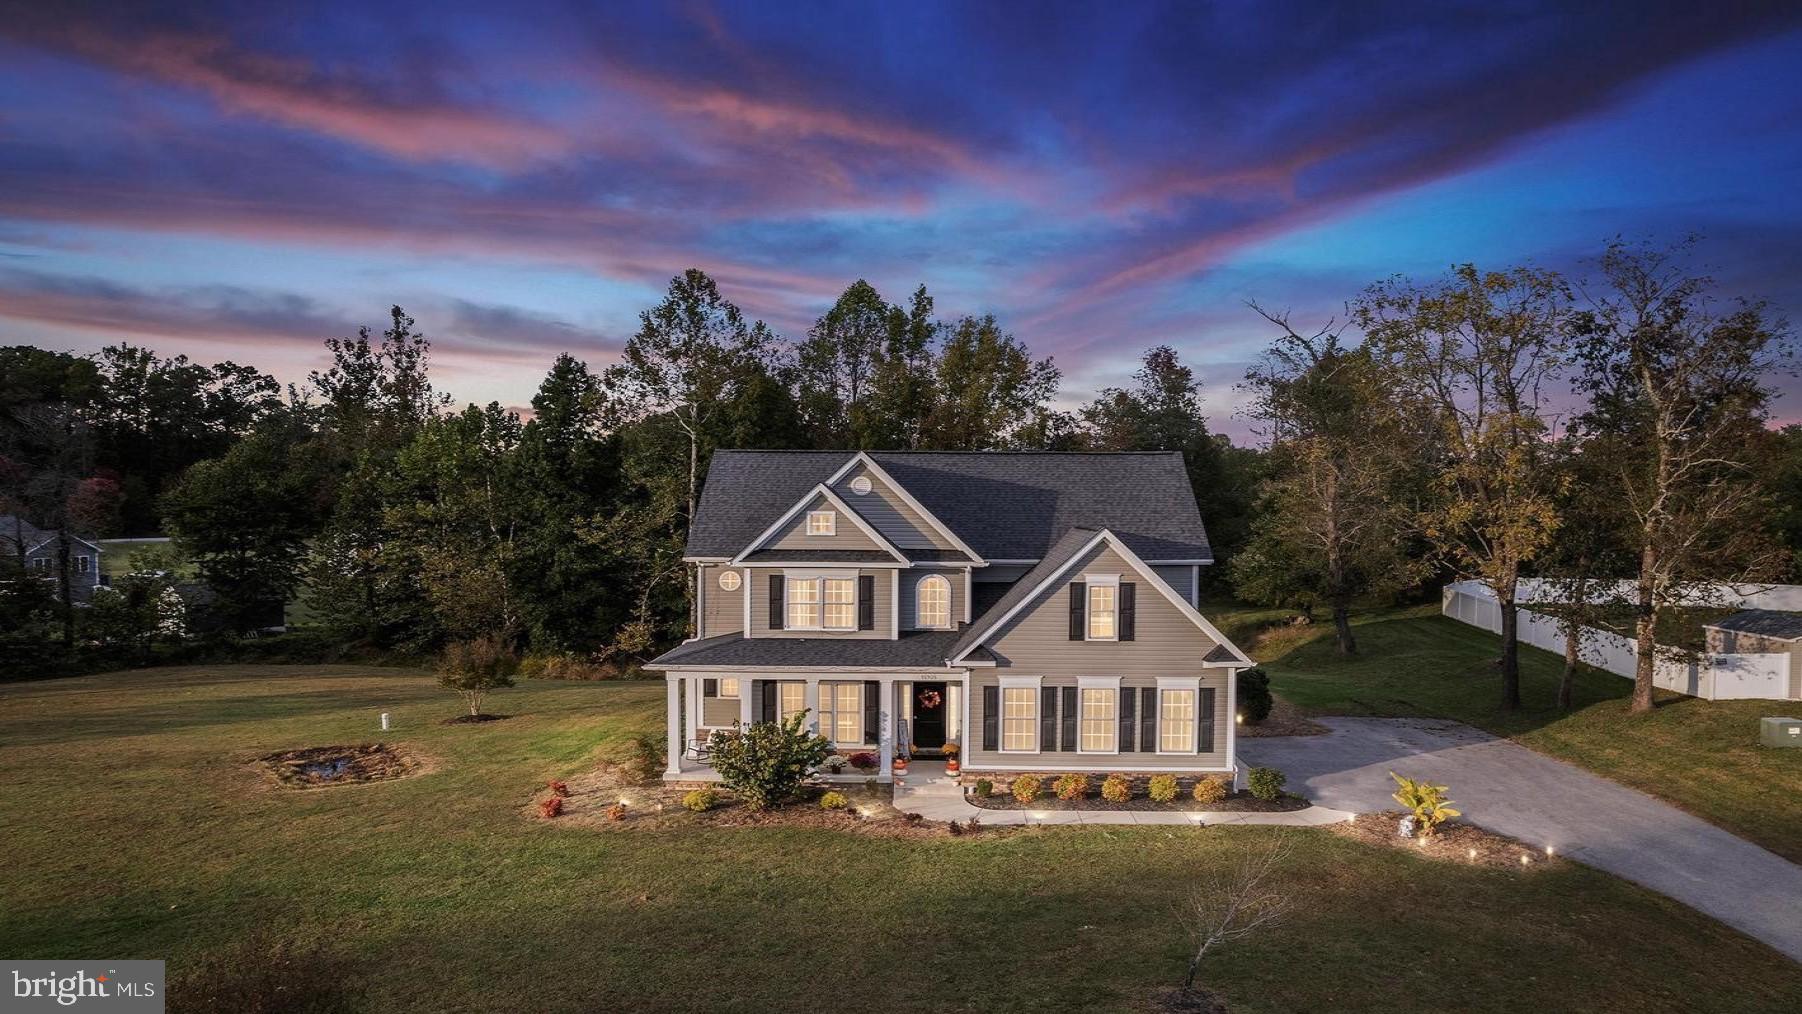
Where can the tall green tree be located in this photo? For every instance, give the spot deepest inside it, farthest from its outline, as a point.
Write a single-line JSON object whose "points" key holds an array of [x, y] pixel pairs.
{"points": [[1678, 401], [991, 391], [836, 366], [1475, 355], [1331, 527]]}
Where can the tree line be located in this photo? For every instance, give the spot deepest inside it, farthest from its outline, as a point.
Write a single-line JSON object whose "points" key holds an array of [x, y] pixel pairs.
{"points": [[1492, 424]]}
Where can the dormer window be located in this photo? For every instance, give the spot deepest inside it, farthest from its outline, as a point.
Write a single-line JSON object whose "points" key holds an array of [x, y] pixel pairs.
{"points": [[822, 522]]}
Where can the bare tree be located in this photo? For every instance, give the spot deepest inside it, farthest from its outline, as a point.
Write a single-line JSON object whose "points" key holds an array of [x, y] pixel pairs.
{"points": [[1236, 901], [1678, 400]]}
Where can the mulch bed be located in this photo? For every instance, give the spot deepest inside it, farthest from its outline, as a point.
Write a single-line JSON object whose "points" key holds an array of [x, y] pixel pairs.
{"points": [[325, 766], [1285, 719], [1456, 842], [473, 719], [1239, 802], [653, 806]]}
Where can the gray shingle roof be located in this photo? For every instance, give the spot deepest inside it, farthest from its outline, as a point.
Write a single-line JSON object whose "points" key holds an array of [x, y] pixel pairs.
{"points": [[1766, 622], [912, 648], [820, 556], [1006, 505]]}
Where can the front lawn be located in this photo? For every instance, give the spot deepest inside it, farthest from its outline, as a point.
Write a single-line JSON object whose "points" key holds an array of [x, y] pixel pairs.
{"points": [[1700, 755], [133, 829]]}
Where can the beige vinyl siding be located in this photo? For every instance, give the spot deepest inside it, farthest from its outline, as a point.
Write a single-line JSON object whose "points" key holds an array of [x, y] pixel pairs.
{"points": [[722, 611], [721, 712], [889, 514], [1141, 760], [910, 581], [846, 534], [1037, 642], [760, 606]]}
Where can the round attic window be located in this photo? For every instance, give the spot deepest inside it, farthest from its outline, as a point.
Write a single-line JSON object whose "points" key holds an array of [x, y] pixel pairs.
{"points": [[729, 580], [860, 485]]}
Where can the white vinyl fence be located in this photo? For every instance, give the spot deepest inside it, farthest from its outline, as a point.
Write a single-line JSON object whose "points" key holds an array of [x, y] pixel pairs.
{"points": [[1715, 677]]}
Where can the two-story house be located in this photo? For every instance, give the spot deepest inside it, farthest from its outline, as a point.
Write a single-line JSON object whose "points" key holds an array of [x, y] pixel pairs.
{"points": [[1041, 610], [36, 549]]}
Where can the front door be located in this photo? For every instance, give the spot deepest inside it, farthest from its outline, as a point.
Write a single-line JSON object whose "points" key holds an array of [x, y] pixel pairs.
{"points": [[929, 715]]}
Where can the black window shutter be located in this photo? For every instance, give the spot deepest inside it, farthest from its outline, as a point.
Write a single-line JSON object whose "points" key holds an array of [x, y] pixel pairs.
{"points": [[1078, 610], [1047, 719], [1127, 589], [991, 718], [1127, 715], [1069, 716], [710, 688], [776, 602], [866, 602], [1148, 719], [772, 695], [1206, 723], [872, 717]]}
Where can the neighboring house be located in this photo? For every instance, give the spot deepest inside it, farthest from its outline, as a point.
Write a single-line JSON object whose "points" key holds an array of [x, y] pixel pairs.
{"points": [[1039, 609], [1761, 631], [40, 550]]}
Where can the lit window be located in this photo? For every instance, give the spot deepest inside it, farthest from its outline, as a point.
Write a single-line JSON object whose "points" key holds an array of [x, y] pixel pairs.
{"points": [[1099, 729], [81, 564], [729, 580], [803, 604], [841, 603], [729, 688], [1019, 719], [791, 701], [1176, 721], [933, 603], [841, 712], [860, 485], [822, 522], [1102, 611]]}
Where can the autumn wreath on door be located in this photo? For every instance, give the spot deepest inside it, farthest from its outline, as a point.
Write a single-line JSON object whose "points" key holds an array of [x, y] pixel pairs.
{"points": [[931, 699]]}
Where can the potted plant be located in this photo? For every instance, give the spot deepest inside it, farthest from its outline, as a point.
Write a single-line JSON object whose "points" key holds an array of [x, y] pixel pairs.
{"points": [[951, 758]]}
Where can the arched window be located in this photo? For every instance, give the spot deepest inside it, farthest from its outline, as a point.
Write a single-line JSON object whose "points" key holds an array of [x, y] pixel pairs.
{"points": [[932, 602]]}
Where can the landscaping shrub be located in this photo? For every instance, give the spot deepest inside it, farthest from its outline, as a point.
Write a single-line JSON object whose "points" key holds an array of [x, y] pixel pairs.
{"points": [[1116, 788], [1266, 783], [1162, 788], [1428, 802], [834, 801], [864, 760], [1071, 786], [562, 665], [1254, 695], [559, 788], [473, 668], [1026, 788], [1209, 790], [835, 764], [701, 800], [767, 763], [984, 788], [649, 754], [551, 807]]}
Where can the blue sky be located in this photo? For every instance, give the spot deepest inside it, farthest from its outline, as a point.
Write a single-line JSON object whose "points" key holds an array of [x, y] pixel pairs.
{"points": [[232, 181]]}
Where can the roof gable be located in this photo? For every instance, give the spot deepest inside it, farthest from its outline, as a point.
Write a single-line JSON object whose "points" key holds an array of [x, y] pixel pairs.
{"points": [[779, 535]]}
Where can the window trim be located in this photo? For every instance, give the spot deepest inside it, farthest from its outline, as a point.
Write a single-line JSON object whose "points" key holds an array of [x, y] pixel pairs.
{"points": [[734, 575], [1085, 684], [831, 518], [1091, 583], [861, 485], [793, 579], [829, 716], [783, 713], [919, 598], [1029, 684], [1192, 686]]}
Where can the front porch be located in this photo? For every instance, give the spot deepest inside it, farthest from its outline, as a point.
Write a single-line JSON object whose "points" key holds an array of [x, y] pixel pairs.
{"points": [[885, 714]]}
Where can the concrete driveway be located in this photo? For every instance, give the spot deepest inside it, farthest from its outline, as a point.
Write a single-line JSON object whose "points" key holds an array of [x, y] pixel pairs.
{"points": [[1512, 790]]}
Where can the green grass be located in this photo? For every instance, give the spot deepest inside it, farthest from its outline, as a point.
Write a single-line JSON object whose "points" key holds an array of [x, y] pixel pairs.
{"points": [[1700, 755], [134, 830]]}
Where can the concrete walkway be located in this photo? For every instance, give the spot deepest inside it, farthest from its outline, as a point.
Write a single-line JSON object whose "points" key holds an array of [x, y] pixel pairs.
{"points": [[929, 792], [1512, 790]]}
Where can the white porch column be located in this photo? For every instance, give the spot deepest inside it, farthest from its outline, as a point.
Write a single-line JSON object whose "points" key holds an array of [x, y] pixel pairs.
{"points": [[885, 713], [744, 700], [813, 705], [692, 688], [675, 727]]}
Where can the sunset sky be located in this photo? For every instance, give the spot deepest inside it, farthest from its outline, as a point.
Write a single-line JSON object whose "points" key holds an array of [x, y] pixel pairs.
{"points": [[236, 181]]}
